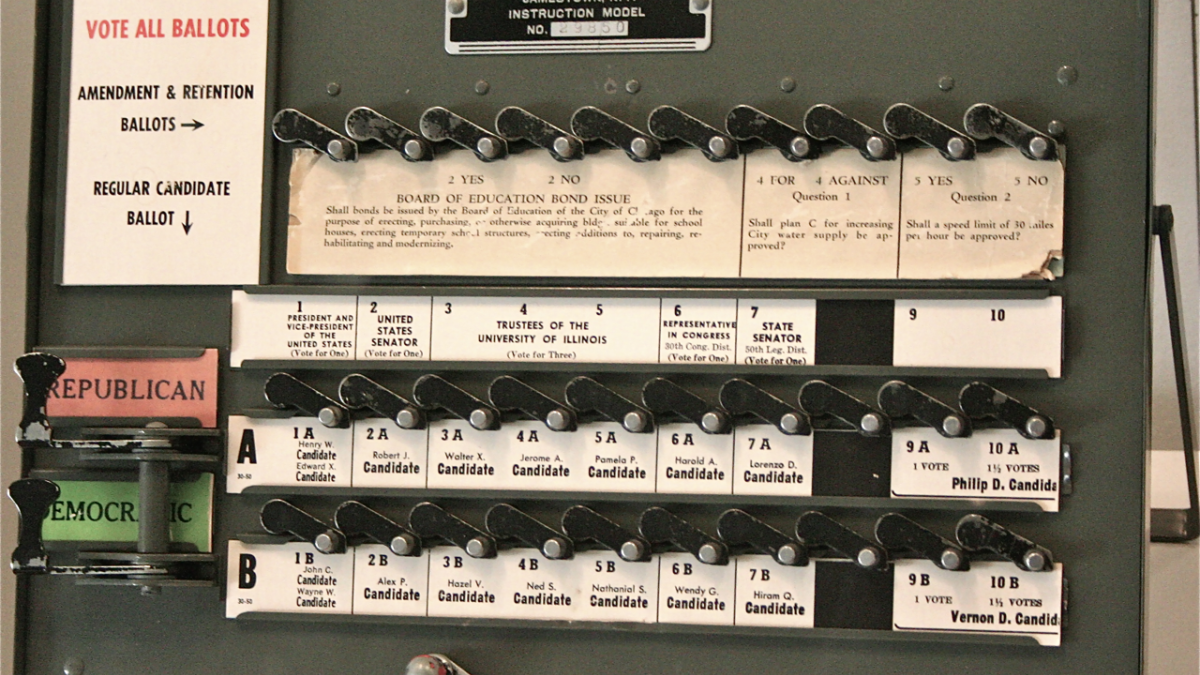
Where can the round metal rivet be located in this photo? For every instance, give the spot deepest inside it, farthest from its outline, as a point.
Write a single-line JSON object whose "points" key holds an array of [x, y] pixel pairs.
{"points": [[408, 419], [712, 422], [867, 558], [1036, 426], [424, 665], [324, 542], [633, 86], [477, 548], [482, 418], [330, 417], [456, 6], [73, 666], [876, 147], [787, 554], [700, 5], [787, 84], [871, 423], [946, 83], [709, 554], [952, 425], [414, 149], [563, 147], [640, 147], [333, 89], [1057, 128], [1035, 560], [789, 423], [336, 149], [634, 421], [403, 544], [951, 559], [1039, 147], [482, 87], [719, 146], [554, 548], [632, 550], [558, 420], [488, 147], [800, 146], [956, 148], [1067, 75]]}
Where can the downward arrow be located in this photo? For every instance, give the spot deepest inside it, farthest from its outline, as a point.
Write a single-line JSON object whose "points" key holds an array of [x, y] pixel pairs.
{"points": [[193, 124], [187, 222]]}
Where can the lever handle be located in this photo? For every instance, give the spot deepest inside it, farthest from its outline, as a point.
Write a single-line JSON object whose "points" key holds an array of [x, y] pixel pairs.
{"points": [[981, 400], [509, 393], [985, 121], [745, 123], [359, 391], [977, 533], [292, 126], [355, 519], [670, 123], [38, 372], [508, 522], [740, 397], [593, 124], [365, 125], [663, 396], [660, 526], [897, 399], [904, 121], [817, 529], [439, 124], [33, 498], [281, 517], [431, 521], [285, 391], [584, 393], [514, 124], [738, 528], [896, 532], [433, 392], [583, 524], [824, 122], [818, 398]]}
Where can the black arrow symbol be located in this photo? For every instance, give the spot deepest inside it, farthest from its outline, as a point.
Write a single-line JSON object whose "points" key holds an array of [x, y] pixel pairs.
{"points": [[193, 124], [187, 222]]}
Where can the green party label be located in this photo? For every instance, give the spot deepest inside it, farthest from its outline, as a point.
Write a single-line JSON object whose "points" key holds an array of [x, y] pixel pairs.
{"points": [[108, 511]]}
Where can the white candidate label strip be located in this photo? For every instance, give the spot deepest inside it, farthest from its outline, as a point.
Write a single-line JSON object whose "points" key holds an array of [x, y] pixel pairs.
{"points": [[538, 458], [691, 592], [536, 587], [995, 598], [560, 330], [292, 327], [464, 458], [386, 584], [165, 152], [776, 332], [770, 594], [980, 334], [999, 216], [386, 456], [610, 459], [698, 331], [288, 578], [611, 589], [462, 586], [393, 328], [993, 464], [295, 452], [693, 462], [528, 216], [767, 461]]}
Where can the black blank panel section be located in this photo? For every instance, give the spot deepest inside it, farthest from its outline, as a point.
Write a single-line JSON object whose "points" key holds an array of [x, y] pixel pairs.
{"points": [[855, 332], [851, 465], [847, 596]]}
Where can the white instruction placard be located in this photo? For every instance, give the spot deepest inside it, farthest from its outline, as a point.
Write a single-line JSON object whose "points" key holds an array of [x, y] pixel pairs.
{"points": [[165, 142]]}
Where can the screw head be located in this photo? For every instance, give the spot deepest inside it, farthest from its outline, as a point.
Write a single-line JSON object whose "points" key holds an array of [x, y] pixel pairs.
{"points": [[719, 146], [635, 421], [633, 86], [408, 419], [456, 6], [424, 665], [712, 422], [324, 542], [1036, 426], [337, 149], [488, 147], [414, 149], [333, 89], [632, 550], [787, 84], [1067, 75], [403, 544], [867, 558], [1039, 146], [477, 547], [640, 147], [330, 416], [956, 147], [871, 423], [482, 418], [558, 420], [1057, 128], [953, 425], [1035, 560], [482, 87], [876, 147], [951, 559], [790, 423], [554, 548], [946, 83], [700, 5], [709, 554], [563, 147], [787, 554], [73, 666], [800, 146]]}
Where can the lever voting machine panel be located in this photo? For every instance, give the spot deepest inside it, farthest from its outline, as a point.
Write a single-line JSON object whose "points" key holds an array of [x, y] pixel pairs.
{"points": [[462, 333]]}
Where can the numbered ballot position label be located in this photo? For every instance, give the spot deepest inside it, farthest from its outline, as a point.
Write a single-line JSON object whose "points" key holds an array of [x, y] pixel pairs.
{"points": [[460, 585], [294, 452], [610, 459], [993, 598], [994, 464], [768, 462], [393, 328], [290, 578], [165, 152], [386, 456], [461, 457], [387, 584], [770, 594], [980, 334], [776, 332], [691, 592], [292, 327], [698, 331], [611, 589], [693, 462]]}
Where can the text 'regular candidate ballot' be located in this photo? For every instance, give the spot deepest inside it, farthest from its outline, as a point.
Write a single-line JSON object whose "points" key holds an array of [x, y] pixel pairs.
{"points": [[165, 142]]}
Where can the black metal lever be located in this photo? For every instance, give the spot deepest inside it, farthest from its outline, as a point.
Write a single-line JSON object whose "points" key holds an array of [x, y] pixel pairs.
{"points": [[433, 392], [515, 124], [365, 125], [740, 397], [508, 522], [359, 391], [898, 399], [899, 533], [430, 521], [38, 372], [509, 393], [738, 528], [904, 121], [285, 391], [817, 529], [660, 526], [439, 124], [818, 398], [669, 123], [593, 124], [292, 126], [583, 524], [663, 397], [824, 122], [979, 400], [355, 519], [584, 394], [985, 121], [746, 123], [281, 517], [977, 533], [33, 498]]}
